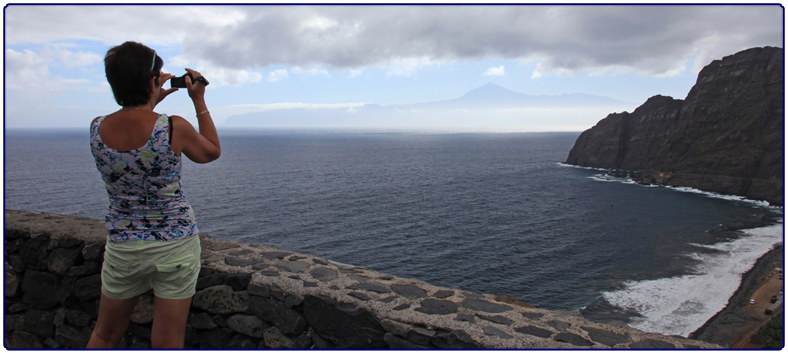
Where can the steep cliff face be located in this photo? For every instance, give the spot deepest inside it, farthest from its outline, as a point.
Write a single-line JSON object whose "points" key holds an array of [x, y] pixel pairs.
{"points": [[726, 136]]}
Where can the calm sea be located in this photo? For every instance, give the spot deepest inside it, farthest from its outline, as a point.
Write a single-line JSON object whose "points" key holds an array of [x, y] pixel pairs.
{"points": [[485, 212]]}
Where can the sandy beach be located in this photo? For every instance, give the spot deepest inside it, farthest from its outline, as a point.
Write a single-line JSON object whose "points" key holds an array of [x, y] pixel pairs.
{"points": [[733, 326]]}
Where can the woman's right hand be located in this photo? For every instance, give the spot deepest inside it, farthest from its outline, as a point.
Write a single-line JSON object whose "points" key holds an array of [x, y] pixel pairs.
{"points": [[196, 89]]}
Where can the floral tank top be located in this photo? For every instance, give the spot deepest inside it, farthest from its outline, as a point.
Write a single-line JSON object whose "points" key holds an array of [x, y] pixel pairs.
{"points": [[144, 188]]}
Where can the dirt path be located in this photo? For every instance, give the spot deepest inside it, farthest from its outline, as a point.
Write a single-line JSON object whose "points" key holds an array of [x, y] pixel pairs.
{"points": [[769, 286]]}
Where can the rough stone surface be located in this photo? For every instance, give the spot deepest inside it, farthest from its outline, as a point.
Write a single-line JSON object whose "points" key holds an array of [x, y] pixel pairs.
{"points": [[409, 291], [88, 288], [373, 287], [573, 339], [324, 274], [485, 306], [327, 305], [275, 311], [437, 307], [220, 299], [249, 325], [345, 325], [606, 337], [652, 344], [276, 340], [40, 288], [534, 331]]}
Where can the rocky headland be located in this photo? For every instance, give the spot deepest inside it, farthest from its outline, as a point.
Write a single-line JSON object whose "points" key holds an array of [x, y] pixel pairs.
{"points": [[726, 136]]}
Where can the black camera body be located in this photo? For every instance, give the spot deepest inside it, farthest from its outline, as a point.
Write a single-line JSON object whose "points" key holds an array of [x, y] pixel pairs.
{"points": [[180, 82]]}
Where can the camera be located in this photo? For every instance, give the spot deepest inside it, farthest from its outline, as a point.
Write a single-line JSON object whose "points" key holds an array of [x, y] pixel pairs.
{"points": [[180, 82]]}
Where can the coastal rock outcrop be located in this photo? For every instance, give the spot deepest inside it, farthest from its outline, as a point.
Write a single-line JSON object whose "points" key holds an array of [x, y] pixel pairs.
{"points": [[726, 136]]}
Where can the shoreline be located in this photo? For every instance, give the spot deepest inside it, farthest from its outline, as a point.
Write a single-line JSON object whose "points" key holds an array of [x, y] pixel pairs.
{"points": [[732, 322]]}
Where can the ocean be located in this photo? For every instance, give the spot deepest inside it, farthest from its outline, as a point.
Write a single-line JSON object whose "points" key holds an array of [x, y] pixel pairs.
{"points": [[484, 212]]}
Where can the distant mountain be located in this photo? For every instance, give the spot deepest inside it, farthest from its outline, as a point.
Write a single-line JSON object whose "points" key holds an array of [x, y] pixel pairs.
{"points": [[727, 136], [487, 105], [492, 96]]}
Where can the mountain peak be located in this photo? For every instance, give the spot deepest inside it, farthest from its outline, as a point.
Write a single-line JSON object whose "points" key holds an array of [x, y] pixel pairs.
{"points": [[490, 90]]}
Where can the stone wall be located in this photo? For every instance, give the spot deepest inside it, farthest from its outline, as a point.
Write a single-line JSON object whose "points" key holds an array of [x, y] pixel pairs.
{"points": [[251, 296]]}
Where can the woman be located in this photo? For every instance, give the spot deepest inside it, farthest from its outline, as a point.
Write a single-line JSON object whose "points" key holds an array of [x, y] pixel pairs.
{"points": [[153, 241]]}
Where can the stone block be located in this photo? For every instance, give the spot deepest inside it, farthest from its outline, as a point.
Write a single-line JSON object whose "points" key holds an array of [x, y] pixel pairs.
{"points": [[240, 341], [87, 268], [39, 322], [573, 339], [456, 339], [409, 291], [214, 338], [492, 331], [372, 287], [395, 342], [209, 281], [78, 318], [303, 341], [292, 300], [534, 331], [12, 281], [274, 339], [292, 266], [345, 325], [271, 310], [396, 328], [259, 290], [34, 253], [248, 325], [239, 281], [39, 289], [420, 335], [143, 311], [17, 307], [88, 288], [93, 252], [221, 299], [23, 340], [437, 307], [324, 274], [606, 337], [66, 295], [485, 306], [17, 263], [60, 260], [72, 337], [652, 344], [201, 321]]}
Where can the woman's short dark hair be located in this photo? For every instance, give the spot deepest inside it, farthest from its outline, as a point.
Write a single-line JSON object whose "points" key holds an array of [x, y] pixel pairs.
{"points": [[129, 68]]}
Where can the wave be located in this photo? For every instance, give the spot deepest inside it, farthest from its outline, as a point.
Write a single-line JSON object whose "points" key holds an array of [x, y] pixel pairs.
{"points": [[608, 178], [680, 305], [724, 197]]}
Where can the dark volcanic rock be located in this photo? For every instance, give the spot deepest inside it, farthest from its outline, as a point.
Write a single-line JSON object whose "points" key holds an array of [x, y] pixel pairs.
{"points": [[344, 324], [726, 136]]}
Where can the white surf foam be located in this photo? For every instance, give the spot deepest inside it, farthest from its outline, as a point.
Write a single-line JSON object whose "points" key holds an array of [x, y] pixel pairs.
{"points": [[681, 305]]}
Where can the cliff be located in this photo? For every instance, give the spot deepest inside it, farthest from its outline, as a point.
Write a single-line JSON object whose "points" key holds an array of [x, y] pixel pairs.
{"points": [[251, 296], [726, 136]]}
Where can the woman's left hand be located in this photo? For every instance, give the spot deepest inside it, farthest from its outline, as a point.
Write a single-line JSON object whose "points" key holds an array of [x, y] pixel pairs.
{"points": [[163, 93]]}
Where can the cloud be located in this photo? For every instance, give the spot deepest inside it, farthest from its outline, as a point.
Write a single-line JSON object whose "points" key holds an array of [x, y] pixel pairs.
{"points": [[562, 39], [28, 76], [277, 75], [494, 71]]}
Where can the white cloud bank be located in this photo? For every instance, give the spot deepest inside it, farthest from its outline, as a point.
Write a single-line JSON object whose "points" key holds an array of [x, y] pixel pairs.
{"points": [[563, 39]]}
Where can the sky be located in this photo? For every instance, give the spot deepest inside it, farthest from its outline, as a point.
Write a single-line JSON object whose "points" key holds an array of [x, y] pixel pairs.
{"points": [[262, 58]]}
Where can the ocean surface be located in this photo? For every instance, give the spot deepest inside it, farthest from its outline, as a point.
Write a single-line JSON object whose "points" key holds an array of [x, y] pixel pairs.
{"points": [[485, 212]]}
